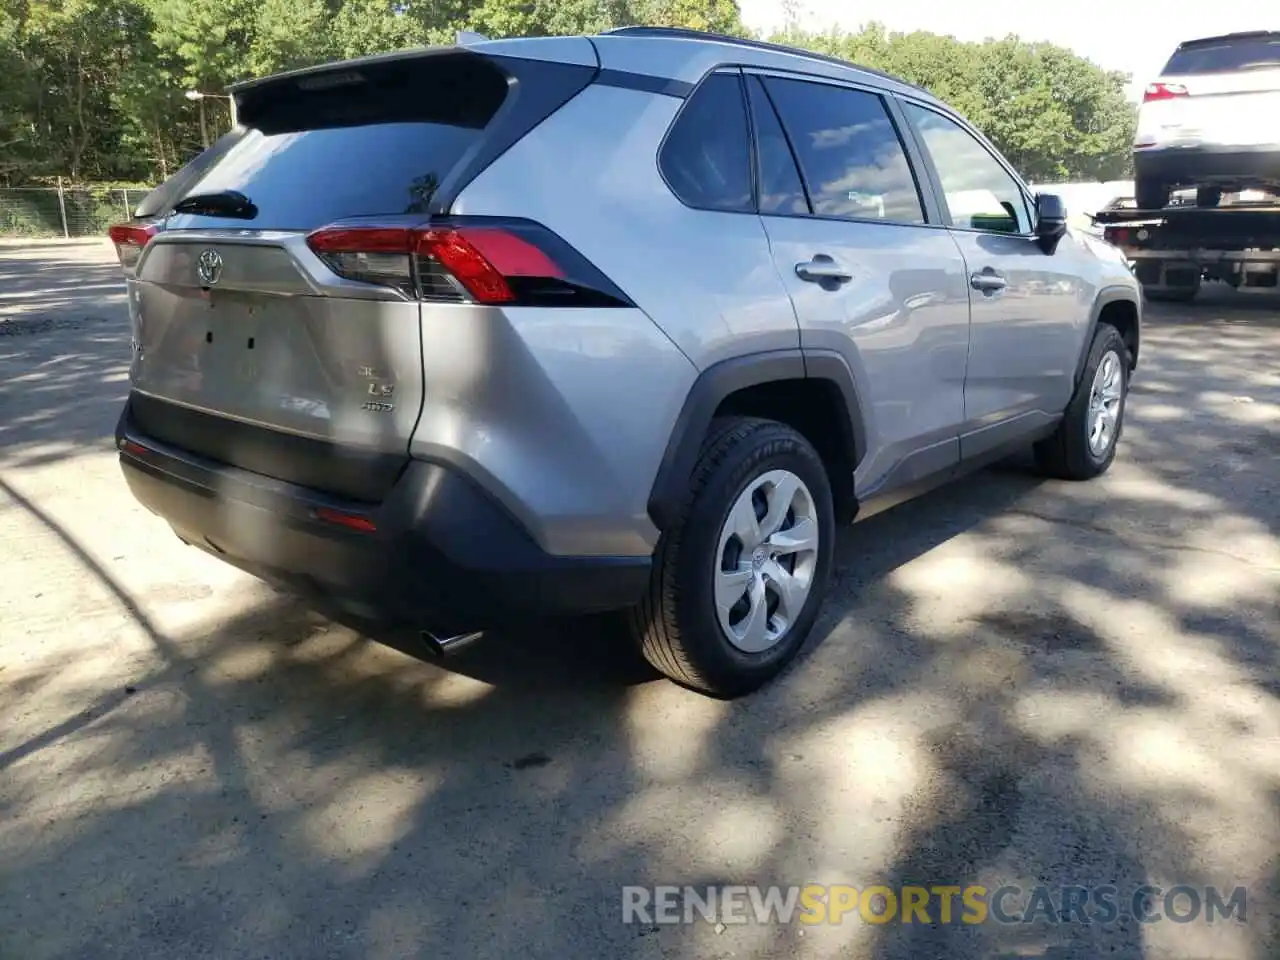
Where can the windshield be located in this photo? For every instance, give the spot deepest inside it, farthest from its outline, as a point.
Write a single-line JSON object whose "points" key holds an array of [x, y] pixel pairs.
{"points": [[161, 200], [377, 140], [1226, 56], [302, 180]]}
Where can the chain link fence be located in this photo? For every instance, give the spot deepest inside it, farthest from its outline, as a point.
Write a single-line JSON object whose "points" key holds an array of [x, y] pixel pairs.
{"points": [[79, 211]]}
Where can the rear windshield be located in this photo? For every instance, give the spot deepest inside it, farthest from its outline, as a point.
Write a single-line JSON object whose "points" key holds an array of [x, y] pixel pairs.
{"points": [[1226, 56], [163, 197], [302, 180], [375, 144]]}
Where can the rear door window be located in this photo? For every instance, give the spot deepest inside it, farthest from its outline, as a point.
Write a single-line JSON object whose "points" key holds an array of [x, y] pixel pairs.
{"points": [[781, 190], [1226, 55], [706, 158], [852, 159]]}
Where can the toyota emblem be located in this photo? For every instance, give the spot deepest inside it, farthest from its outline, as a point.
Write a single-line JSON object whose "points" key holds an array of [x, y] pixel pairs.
{"points": [[209, 267]]}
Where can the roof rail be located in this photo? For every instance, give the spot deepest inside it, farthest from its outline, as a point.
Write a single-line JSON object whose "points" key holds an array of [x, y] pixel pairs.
{"points": [[689, 34]]}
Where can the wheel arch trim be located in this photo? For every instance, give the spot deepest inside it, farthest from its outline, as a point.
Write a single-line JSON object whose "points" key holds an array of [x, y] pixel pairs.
{"points": [[1105, 297], [725, 378]]}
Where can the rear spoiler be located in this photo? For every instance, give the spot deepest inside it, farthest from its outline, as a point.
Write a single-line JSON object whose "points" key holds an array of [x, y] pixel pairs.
{"points": [[357, 63], [1227, 37], [384, 88]]}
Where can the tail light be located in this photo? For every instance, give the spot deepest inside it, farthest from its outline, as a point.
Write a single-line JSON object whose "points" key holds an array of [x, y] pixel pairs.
{"points": [[352, 521], [130, 239], [1163, 91], [1116, 235], [472, 260]]}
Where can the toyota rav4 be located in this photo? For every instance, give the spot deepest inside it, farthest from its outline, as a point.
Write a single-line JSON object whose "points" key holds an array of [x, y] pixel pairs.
{"points": [[456, 337]]}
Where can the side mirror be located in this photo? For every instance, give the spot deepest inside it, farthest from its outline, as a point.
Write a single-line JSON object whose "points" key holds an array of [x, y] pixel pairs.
{"points": [[1051, 220]]}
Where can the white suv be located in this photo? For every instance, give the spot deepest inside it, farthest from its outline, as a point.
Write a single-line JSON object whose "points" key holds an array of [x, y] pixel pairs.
{"points": [[1211, 120]]}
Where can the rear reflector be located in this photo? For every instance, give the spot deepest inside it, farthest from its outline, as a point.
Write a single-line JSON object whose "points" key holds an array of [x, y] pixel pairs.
{"points": [[352, 521], [130, 239], [1163, 91], [474, 260]]}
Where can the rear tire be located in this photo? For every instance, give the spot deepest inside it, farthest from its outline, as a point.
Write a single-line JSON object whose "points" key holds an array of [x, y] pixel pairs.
{"points": [[685, 624], [1098, 404], [1208, 196], [1150, 194], [1173, 294]]}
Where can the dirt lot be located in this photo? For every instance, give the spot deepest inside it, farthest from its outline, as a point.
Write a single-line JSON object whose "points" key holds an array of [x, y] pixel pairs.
{"points": [[1016, 682]]}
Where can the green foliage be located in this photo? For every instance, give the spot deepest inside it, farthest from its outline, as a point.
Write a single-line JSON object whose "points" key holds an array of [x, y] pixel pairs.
{"points": [[1053, 114], [94, 89]]}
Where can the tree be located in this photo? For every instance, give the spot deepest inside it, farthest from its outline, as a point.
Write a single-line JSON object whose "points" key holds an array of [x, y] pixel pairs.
{"points": [[1052, 113], [96, 88]]}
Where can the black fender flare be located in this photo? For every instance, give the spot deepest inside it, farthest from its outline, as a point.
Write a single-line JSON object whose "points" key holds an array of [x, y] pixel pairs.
{"points": [[721, 380], [1107, 295]]}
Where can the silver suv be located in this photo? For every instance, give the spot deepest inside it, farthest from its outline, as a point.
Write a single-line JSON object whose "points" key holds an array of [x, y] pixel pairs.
{"points": [[455, 337]]}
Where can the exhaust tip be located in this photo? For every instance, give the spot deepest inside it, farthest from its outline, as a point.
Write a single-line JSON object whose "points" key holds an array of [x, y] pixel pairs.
{"points": [[441, 646]]}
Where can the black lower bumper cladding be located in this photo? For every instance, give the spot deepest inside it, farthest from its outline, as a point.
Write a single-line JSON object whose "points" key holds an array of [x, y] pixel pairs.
{"points": [[437, 553]]}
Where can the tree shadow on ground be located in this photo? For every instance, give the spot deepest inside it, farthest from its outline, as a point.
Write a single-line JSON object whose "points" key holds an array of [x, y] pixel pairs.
{"points": [[64, 352], [1014, 682]]}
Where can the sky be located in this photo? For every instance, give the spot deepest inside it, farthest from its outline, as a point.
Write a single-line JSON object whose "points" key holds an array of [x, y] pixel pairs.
{"points": [[1134, 36]]}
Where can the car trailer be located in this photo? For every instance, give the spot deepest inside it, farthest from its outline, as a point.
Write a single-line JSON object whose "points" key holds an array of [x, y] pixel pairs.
{"points": [[1173, 250]]}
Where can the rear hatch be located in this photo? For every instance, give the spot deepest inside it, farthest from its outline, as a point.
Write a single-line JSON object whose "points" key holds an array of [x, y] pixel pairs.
{"points": [[264, 338], [1223, 91]]}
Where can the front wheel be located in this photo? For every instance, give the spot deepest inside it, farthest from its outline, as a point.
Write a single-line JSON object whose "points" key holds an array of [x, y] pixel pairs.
{"points": [[1150, 194], [1084, 444], [1173, 294], [739, 577], [1208, 196]]}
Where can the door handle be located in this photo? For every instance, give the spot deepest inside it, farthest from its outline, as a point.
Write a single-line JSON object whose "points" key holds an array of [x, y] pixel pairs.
{"points": [[988, 281], [823, 267]]}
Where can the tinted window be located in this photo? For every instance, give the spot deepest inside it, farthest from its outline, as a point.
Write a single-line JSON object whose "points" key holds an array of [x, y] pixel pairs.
{"points": [[979, 192], [780, 188], [302, 180], [164, 196], [849, 152], [707, 155], [374, 143], [1224, 56]]}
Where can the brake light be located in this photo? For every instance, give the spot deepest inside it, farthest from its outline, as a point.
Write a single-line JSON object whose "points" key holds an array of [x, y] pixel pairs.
{"points": [[454, 251], [474, 260], [1116, 235], [352, 521], [130, 239], [1163, 91]]}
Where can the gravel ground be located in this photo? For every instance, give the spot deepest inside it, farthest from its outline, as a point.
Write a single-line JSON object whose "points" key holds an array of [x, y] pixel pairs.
{"points": [[1015, 681]]}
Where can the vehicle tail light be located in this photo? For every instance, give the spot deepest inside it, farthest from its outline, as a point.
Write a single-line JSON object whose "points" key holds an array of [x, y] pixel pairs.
{"points": [[378, 255], [1163, 91], [352, 521], [1116, 235], [471, 260], [130, 239]]}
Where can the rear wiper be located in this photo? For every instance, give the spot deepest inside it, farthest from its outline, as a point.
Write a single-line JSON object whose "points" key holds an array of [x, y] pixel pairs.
{"points": [[224, 203]]}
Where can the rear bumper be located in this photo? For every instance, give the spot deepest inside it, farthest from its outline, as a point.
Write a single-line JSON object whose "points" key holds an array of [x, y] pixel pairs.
{"points": [[1192, 166], [442, 555]]}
